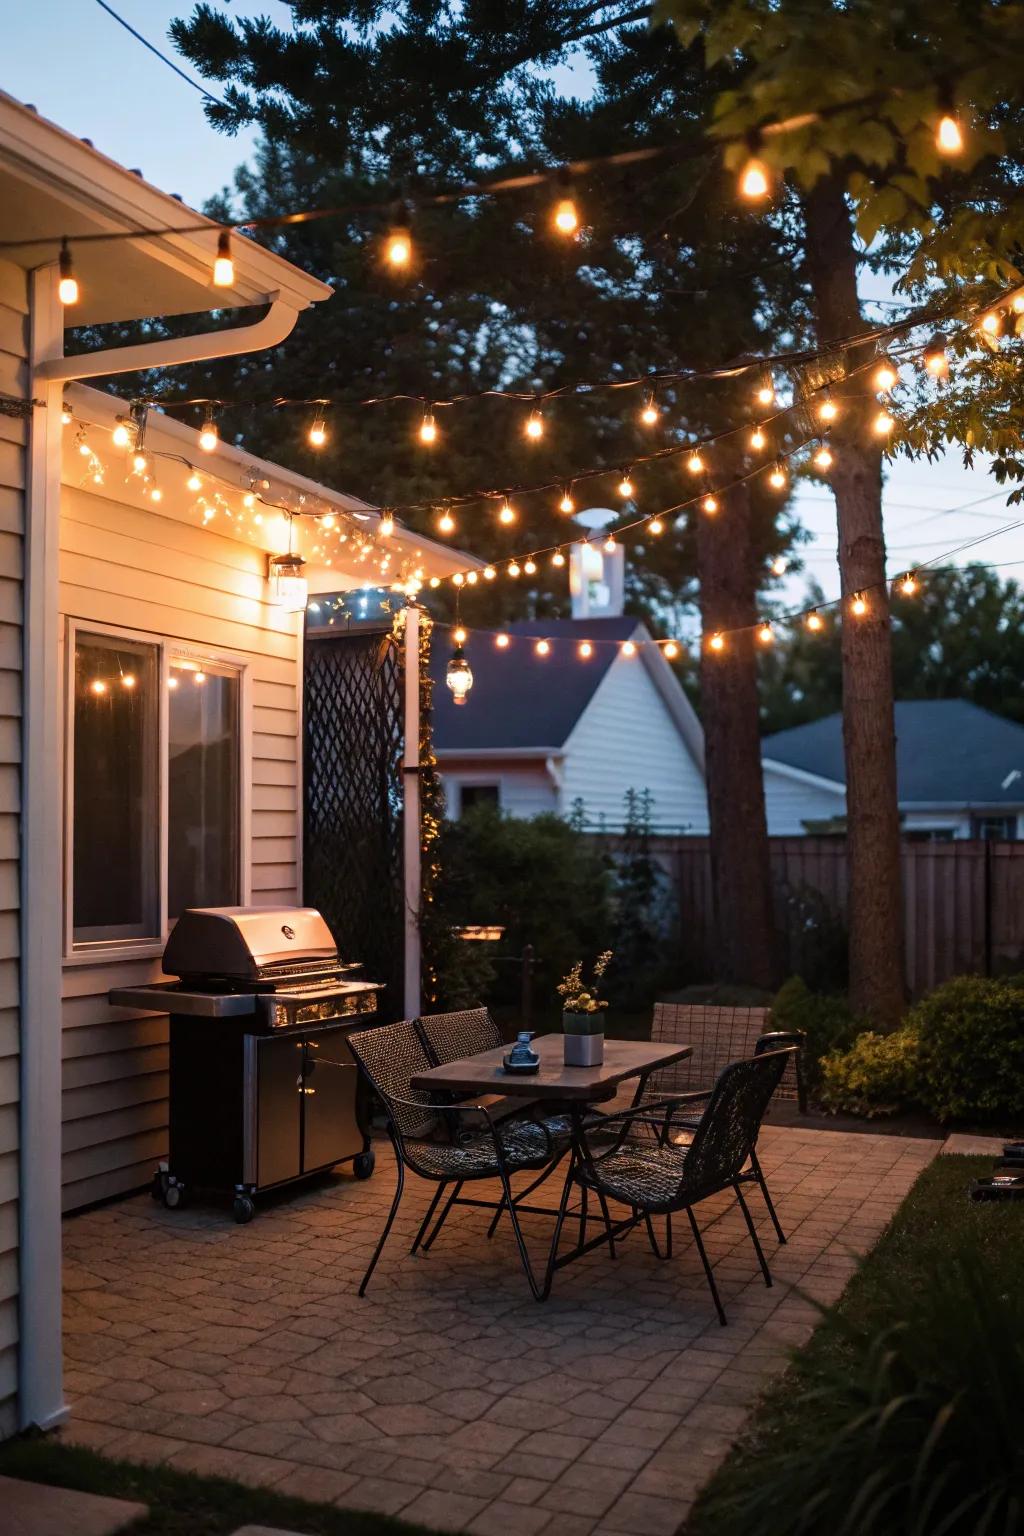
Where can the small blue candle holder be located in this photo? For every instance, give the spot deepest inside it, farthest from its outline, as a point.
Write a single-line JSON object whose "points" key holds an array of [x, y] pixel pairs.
{"points": [[522, 1058]]}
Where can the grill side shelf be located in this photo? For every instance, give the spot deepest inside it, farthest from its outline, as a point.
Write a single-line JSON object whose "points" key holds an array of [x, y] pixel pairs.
{"points": [[167, 997]]}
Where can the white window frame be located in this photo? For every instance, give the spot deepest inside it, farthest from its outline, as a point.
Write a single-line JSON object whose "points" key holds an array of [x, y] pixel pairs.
{"points": [[169, 649]]}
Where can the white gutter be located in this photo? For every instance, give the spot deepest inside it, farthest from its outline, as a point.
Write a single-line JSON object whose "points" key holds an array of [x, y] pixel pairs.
{"points": [[801, 776]]}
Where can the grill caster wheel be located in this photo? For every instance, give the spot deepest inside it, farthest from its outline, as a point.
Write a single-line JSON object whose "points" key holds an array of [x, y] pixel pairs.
{"points": [[243, 1209], [174, 1196], [363, 1164]]}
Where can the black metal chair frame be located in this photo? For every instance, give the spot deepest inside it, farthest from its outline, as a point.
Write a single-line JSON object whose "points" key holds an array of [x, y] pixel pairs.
{"points": [[744, 1169]]}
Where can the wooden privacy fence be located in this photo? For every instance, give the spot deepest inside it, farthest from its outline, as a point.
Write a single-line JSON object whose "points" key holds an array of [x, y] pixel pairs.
{"points": [[963, 903]]}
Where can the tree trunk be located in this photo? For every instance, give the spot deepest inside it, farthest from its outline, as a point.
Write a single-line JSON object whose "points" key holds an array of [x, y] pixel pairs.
{"points": [[743, 925], [875, 903]]}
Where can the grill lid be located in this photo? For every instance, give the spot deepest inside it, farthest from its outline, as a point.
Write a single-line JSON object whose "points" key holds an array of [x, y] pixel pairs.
{"points": [[241, 942]]}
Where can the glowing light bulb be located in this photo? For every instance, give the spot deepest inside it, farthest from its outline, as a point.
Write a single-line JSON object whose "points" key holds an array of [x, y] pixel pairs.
{"points": [[318, 432], [695, 464], [502, 642], [828, 410], [139, 462], [428, 429], [446, 523], [765, 633], [766, 390], [458, 580], [128, 680], [398, 246], [156, 494], [814, 620], [609, 546], [223, 266], [755, 181], [120, 437], [471, 578], [949, 139], [757, 438], [529, 567], [886, 377], [543, 648], [780, 565], [566, 504], [717, 641], [823, 458], [208, 437], [194, 482], [883, 424], [98, 687], [558, 559], [991, 323], [489, 573], [565, 216], [507, 514], [777, 478], [655, 526], [908, 584], [710, 505], [514, 569], [859, 605], [585, 649], [67, 285], [628, 647], [65, 415], [459, 635], [534, 428], [935, 359], [625, 487], [671, 650], [435, 582], [649, 414], [1018, 304]]}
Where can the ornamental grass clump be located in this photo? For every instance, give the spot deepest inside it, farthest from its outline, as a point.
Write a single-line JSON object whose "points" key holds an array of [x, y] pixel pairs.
{"points": [[579, 996]]}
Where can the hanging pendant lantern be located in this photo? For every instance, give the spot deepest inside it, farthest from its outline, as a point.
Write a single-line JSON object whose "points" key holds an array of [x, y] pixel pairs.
{"points": [[289, 587], [458, 675]]}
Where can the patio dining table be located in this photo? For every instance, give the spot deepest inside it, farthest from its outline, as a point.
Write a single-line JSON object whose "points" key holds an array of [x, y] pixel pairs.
{"points": [[574, 1090]]}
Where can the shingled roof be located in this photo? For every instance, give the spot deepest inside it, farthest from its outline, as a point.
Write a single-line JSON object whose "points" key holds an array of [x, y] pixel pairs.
{"points": [[948, 752], [521, 701]]}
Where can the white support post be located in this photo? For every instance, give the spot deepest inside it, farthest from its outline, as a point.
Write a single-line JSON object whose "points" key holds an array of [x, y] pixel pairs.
{"points": [[411, 841], [41, 1396]]}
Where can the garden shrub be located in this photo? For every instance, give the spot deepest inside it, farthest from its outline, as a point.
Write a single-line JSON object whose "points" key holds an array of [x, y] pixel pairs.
{"points": [[971, 1032], [827, 1021], [877, 1075]]}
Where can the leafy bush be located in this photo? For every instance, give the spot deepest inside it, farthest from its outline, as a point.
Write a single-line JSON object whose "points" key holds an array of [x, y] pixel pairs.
{"points": [[876, 1076], [912, 1430], [971, 1033], [827, 1022], [817, 941]]}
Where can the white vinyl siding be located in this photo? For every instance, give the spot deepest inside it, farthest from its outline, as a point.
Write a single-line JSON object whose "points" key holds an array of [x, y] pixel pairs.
{"points": [[13, 441], [626, 739], [790, 803], [524, 790], [136, 570]]}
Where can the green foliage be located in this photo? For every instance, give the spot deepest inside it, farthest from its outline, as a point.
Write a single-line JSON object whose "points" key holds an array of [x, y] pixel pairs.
{"points": [[827, 1021], [961, 636], [644, 912], [908, 1429], [540, 879], [971, 1064], [877, 1075]]}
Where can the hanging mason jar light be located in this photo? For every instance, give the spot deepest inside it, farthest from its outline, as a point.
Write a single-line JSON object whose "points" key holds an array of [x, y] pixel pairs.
{"points": [[458, 675], [289, 588]]}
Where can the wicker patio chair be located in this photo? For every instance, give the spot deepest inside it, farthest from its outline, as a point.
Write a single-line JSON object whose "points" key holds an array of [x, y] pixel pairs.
{"points": [[438, 1144], [658, 1177]]}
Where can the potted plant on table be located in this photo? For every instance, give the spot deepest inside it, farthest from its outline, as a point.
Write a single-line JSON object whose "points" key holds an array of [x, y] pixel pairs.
{"points": [[583, 1014]]}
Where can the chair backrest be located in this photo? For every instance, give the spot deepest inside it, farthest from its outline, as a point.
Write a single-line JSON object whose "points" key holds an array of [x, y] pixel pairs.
{"points": [[719, 1035], [389, 1055], [728, 1128], [450, 1036]]}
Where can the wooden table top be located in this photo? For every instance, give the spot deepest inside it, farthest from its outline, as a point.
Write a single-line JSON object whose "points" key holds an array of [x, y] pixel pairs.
{"points": [[484, 1073]]}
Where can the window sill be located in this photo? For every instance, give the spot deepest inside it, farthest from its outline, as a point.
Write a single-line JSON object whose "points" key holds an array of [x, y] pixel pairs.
{"points": [[112, 954]]}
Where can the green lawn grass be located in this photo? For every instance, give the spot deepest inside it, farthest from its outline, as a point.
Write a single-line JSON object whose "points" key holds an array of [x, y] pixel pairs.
{"points": [[935, 1217], [181, 1504]]}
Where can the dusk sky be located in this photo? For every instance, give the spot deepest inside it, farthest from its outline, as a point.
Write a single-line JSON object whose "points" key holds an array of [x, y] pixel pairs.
{"points": [[86, 73]]}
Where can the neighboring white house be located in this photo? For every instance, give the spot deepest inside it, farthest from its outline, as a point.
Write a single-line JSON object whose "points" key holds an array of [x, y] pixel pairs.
{"points": [[960, 773], [142, 643], [561, 730]]}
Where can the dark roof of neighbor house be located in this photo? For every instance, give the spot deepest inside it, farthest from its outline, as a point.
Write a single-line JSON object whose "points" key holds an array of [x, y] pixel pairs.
{"points": [[520, 700], [948, 752]]}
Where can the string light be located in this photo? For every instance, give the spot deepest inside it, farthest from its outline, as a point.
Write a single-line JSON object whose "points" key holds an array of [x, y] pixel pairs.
{"points": [[1018, 304], [758, 439], [565, 218], [558, 559], [514, 569], [508, 513], [671, 650], [459, 635], [777, 478], [223, 266], [765, 633], [710, 505], [458, 674], [139, 461], [609, 545], [585, 650], [98, 687], [471, 578], [949, 139], [626, 487], [695, 464], [780, 565], [886, 377], [908, 584], [828, 410], [883, 424], [458, 580], [814, 621], [934, 356], [398, 247], [194, 482], [502, 642], [67, 285], [156, 494], [717, 641], [489, 573], [534, 428], [446, 523], [991, 323], [755, 180], [428, 428], [628, 647], [567, 505], [530, 567], [208, 437], [386, 525], [318, 431], [656, 526], [649, 414], [824, 458], [859, 605], [766, 389], [435, 581], [66, 415], [543, 648]]}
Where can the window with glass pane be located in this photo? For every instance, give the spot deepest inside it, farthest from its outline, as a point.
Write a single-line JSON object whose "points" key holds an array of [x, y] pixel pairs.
{"points": [[203, 726], [116, 804]]}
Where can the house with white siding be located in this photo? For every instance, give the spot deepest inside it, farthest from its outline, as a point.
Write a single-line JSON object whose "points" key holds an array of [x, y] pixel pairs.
{"points": [[959, 773], [566, 716], [150, 686]]}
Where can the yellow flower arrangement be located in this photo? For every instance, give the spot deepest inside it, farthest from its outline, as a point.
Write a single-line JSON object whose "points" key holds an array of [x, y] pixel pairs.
{"points": [[581, 997]]}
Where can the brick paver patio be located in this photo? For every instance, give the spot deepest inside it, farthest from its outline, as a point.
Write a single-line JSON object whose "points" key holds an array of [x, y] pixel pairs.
{"points": [[448, 1396]]}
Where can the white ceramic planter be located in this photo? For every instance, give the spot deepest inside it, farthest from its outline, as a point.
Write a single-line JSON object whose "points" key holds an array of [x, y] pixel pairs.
{"points": [[583, 1039]]}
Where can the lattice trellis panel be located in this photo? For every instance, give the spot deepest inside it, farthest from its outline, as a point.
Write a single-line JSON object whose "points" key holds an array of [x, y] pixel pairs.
{"points": [[352, 854]]}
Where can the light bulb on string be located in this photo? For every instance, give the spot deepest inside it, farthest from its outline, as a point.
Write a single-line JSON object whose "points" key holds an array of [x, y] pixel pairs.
{"points": [[908, 584], [991, 324], [755, 179], [949, 137], [155, 493], [208, 436], [514, 569], [695, 464], [628, 648], [565, 217], [471, 578], [502, 641], [507, 514], [777, 478], [766, 389], [609, 545], [670, 650], [859, 605], [717, 641], [765, 633], [758, 440], [814, 621], [318, 431], [886, 377], [935, 359], [824, 458], [1017, 304], [446, 523], [585, 650], [121, 435], [67, 284], [625, 486], [567, 505], [534, 428], [543, 648], [710, 505], [139, 461], [459, 579], [883, 424], [459, 636], [489, 573], [66, 415], [827, 409], [428, 429], [780, 565], [649, 413], [435, 582], [398, 246], [656, 526], [529, 567], [558, 559], [223, 266], [386, 526]]}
